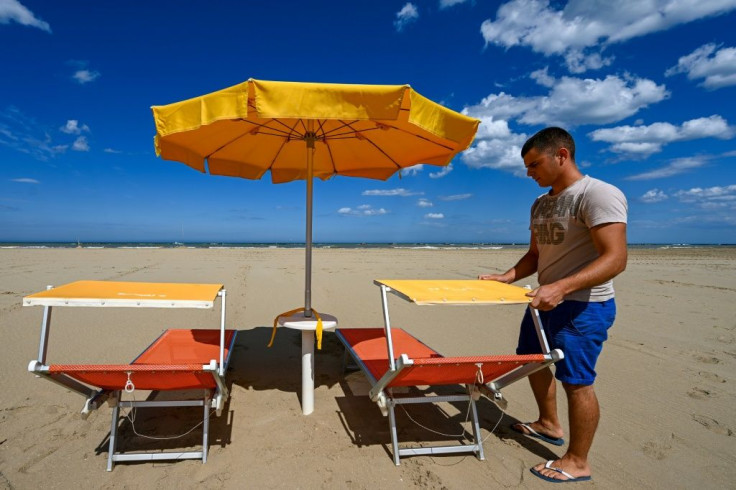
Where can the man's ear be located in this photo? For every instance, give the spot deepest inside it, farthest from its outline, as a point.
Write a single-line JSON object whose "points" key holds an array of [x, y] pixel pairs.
{"points": [[564, 154]]}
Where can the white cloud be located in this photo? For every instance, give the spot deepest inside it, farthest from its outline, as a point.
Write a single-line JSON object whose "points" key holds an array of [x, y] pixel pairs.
{"points": [[578, 62], [85, 76], [441, 173], [412, 171], [495, 145], [424, 203], [654, 195], [406, 15], [72, 127], [718, 71], [112, 150], [456, 197], [362, 210], [450, 3], [570, 102], [573, 101], [25, 180], [502, 153], [709, 198], [80, 144], [642, 141], [583, 28], [675, 167], [391, 192], [434, 216], [24, 134], [12, 10], [542, 77]]}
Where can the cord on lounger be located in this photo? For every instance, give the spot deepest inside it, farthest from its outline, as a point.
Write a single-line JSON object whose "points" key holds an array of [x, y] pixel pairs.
{"points": [[467, 416], [495, 426], [131, 418]]}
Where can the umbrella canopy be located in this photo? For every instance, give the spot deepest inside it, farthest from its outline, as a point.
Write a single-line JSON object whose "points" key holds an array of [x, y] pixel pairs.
{"points": [[304, 130]]}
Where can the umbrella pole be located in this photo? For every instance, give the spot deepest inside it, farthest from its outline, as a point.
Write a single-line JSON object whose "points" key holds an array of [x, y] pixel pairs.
{"points": [[309, 138]]}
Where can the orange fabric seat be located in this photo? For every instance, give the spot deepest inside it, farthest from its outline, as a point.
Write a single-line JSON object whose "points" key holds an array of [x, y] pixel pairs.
{"points": [[174, 361], [429, 367]]}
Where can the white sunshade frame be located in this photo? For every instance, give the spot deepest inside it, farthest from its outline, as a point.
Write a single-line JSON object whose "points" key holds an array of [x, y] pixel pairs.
{"points": [[127, 294]]}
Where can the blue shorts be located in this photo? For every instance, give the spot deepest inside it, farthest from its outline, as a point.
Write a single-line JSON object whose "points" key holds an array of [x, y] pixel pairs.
{"points": [[579, 329]]}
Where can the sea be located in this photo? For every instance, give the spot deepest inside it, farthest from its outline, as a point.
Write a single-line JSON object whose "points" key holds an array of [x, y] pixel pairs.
{"points": [[413, 246]]}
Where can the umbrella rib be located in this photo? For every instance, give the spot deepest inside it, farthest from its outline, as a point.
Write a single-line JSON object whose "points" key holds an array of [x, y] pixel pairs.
{"points": [[304, 126], [332, 160], [273, 160], [321, 129], [420, 137], [353, 132], [379, 149], [289, 132], [344, 124], [278, 132], [207, 157], [283, 143]]}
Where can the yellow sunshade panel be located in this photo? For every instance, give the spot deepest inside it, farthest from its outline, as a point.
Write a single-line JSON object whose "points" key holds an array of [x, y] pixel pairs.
{"points": [[459, 292], [127, 294]]}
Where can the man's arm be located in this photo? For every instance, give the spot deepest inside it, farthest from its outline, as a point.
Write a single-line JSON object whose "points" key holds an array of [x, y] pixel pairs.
{"points": [[525, 267], [610, 242]]}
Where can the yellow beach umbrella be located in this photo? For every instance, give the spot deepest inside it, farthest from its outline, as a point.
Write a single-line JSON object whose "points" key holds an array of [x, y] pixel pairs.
{"points": [[305, 130]]}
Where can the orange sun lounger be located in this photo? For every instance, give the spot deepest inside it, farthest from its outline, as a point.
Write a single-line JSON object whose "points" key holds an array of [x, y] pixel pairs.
{"points": [[392, 358], [177, 360]]}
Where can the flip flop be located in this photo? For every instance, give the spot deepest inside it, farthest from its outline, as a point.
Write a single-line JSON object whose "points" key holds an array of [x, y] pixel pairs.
{"points": [[557, 441], [570, 478]]}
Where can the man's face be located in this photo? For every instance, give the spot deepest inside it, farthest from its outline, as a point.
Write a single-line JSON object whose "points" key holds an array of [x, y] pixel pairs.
{"points": [[541, 166]]}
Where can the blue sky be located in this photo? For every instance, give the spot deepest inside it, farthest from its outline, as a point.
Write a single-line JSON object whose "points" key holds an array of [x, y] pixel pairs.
{"points": [[647, 88]]}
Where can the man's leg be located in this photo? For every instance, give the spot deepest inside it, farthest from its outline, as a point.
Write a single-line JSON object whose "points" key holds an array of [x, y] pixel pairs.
{"points": [[581, 339], [544, 388], [584, 414]]}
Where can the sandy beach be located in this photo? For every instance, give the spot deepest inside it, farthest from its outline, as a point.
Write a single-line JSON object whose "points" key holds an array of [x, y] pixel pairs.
{"points": [[666, 379]]}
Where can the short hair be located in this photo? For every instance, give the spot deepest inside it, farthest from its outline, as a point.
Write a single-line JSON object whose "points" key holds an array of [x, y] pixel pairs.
{"points": [[549, 140]]}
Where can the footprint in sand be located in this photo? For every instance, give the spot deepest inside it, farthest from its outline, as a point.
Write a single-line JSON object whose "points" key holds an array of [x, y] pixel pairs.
{"points": [[701, 394], [712, 425], [711, 377], [705, 358], [656, 450]]}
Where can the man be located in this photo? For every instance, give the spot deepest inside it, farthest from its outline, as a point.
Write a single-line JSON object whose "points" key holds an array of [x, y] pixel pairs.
{"points": [[577, 245]]}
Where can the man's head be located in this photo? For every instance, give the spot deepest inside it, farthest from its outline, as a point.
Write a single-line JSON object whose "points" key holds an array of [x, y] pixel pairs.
{"points": [[549, 158], [549, 140]]}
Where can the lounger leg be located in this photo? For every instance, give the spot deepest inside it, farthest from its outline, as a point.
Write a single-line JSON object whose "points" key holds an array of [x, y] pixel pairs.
{"points": [[392, 429], [476, 430], [205, 429], [113, 431]]}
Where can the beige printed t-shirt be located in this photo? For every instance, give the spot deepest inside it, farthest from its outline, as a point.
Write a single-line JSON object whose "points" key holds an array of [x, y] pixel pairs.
{"points": [[561, 225]]}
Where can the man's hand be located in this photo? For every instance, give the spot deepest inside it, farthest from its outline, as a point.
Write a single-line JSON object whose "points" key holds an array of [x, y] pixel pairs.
{"points": [[546, 297], [494, 277]]}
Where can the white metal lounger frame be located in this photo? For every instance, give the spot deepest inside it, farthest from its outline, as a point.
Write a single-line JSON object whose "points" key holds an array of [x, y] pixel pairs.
{"points": [[95, 398], [387, 400]]}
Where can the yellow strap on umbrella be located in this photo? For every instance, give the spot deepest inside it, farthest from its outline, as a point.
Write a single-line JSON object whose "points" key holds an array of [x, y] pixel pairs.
{"points": [[297, 310]]}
